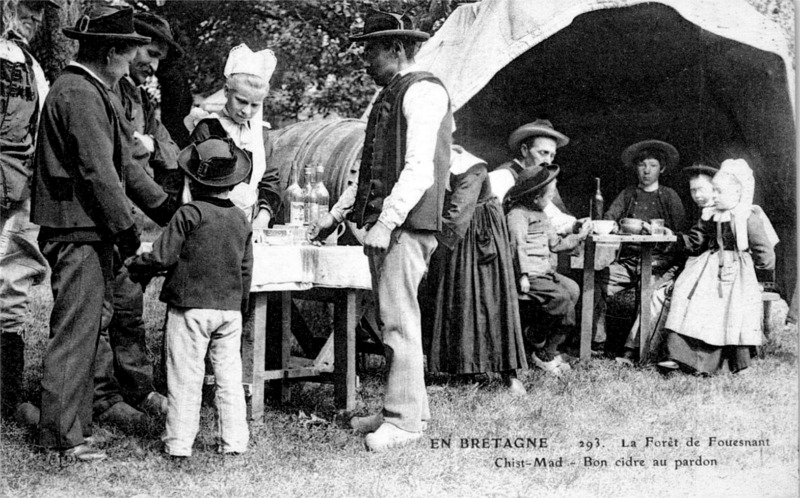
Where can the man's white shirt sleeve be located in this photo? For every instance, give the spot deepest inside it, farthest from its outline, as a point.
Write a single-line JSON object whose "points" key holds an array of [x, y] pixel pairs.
{"points": [[424, 106]]}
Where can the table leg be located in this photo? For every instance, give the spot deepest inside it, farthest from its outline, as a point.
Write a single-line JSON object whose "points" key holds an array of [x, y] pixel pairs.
{"points": [[587, 303], [646, 296], [286, 341], [259, 355], [344, 329]]}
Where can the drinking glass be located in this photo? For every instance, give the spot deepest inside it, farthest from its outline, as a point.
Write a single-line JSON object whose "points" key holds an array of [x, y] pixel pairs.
{"points": [[657, 227]]}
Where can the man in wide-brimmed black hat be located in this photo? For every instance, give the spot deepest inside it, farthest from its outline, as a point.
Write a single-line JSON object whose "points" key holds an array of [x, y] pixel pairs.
{"points": [[23, 88], [534, 145], [399, 199], [83, 184], [130, 371]]}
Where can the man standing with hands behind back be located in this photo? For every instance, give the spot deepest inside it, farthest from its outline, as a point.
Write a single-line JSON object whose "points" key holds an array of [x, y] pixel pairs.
{"points": [[399, 199]]}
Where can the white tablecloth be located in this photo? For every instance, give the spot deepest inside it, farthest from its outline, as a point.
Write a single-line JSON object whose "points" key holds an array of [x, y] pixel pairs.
{"points": [[280, 268]]}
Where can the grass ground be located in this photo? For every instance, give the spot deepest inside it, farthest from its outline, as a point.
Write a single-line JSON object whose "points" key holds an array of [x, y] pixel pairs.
{"points": [[586, 414]]}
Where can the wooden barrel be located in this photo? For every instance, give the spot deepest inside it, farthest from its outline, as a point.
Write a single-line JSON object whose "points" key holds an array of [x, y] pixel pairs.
{"points": [[334, 143]]}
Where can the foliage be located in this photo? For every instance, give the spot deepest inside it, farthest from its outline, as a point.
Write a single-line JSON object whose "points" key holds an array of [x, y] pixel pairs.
{"points": [[319, 73]]}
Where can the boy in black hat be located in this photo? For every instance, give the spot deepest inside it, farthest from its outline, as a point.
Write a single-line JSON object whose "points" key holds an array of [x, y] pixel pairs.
{"points": [[207, 250], [533, 240]]}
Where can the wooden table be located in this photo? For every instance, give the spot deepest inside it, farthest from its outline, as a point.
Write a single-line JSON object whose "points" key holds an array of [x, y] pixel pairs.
{"points": [[338, 275], [646, 243]]}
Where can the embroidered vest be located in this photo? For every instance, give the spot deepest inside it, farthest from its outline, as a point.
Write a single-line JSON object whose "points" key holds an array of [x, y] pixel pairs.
{"points": [[19, 116]]}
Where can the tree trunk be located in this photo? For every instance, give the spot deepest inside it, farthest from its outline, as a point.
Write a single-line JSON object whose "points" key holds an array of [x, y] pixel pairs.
{"points": [[51, 48]]}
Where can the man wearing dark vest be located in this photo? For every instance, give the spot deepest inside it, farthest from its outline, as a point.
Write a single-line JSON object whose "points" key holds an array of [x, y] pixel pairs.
{"points": [[83, 178], [398, 199]]}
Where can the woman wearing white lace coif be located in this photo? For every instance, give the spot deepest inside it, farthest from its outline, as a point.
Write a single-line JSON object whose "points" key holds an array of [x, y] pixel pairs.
{"points": [[716, 305], [247, 76]]}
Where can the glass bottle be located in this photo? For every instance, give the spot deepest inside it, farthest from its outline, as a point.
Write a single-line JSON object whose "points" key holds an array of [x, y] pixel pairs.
{"points": [[310, 197], [597, 203], [294, 211], [323, 198]]}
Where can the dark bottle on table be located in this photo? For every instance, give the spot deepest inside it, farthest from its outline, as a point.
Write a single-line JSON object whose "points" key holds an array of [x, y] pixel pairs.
{"points": [[596, 211]]}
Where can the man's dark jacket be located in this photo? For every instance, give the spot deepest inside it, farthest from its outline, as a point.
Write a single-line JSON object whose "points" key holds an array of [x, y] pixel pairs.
{"points": [[84, 174]]}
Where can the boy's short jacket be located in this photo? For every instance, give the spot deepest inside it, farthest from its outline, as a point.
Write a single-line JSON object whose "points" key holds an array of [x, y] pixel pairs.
{"points": [[208, 252]]}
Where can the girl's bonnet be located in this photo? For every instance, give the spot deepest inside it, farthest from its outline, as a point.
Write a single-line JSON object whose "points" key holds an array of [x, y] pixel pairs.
{"points": [[739, 169]]}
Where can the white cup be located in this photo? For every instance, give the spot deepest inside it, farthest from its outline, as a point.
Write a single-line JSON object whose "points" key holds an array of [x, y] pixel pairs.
{"points": [[603, 227]]}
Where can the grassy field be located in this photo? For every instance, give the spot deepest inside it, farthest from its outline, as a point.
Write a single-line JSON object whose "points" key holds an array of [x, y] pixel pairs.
{"points": [[585, 415]]}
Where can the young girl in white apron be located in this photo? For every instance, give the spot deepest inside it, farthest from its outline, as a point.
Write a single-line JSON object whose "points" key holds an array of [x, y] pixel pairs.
{"points": [[715, 317]]}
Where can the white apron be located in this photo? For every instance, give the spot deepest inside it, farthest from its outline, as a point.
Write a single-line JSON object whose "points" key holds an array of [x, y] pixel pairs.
{"points": [[719, 306]]}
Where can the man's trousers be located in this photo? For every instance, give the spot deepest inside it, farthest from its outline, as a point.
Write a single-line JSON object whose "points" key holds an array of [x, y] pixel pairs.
{"points": [[82, 275], [396, 275]]}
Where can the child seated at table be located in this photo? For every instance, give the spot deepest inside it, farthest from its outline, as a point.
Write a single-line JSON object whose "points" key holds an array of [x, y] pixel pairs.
{"points": [[207, 251], [715, 315], [647, 200], [701, 189], [533, 240]]}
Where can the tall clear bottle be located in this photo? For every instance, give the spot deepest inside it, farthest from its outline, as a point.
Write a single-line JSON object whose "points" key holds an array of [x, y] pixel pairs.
{"points": [[294, 209], [323, 200], [323, 197], [310, 197], [597, 203]]}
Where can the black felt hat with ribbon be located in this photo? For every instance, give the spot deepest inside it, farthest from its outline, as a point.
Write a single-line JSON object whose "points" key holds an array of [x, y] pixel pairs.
{"points": [[109, 26], [531, 181], [387, 25], [215, 162]]}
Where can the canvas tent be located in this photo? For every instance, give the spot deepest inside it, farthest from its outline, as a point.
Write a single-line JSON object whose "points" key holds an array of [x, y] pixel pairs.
{"points": [[712, 77]]}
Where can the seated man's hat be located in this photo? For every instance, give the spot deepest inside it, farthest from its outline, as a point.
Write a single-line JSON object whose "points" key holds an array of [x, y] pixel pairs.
{"points": [[215, 162], [670, 152], [539, 128], [116, 25], [157, 28], [530, 182], [387, 25]]}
